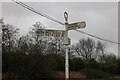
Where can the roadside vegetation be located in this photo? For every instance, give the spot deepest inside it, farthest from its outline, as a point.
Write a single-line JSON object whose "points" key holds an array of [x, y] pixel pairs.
{"points": [[32, 56]]}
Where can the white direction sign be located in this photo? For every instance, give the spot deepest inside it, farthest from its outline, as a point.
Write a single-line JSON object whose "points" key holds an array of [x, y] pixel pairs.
{"points": [[53, 33], [76, 25], [48, 32]]}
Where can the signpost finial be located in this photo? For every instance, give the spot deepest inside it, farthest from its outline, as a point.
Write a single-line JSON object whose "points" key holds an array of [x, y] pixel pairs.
{"points": [[66, 16]]}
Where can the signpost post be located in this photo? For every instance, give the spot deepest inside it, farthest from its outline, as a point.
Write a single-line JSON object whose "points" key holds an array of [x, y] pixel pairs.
{"points": [[68, 27], [66, 52]]}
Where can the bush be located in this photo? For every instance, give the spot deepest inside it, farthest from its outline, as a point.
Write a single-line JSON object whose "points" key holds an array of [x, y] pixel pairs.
{"points": [[76, 64], [95, 74], [20, 64], [92, 64]]}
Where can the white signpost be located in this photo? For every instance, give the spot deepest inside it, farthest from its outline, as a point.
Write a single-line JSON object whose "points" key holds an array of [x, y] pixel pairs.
{"points": [[68, 27], [64, 35]]}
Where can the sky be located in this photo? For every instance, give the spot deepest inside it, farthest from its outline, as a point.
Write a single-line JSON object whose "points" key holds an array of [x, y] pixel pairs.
{"points": [[101, 18]]}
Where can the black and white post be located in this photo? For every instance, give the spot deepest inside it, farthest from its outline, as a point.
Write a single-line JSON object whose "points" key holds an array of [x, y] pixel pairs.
{"points": [[67, 50], [72, 26]]}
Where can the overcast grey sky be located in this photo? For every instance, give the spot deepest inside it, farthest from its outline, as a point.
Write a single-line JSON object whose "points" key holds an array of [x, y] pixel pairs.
{"points": [[101, 18]]}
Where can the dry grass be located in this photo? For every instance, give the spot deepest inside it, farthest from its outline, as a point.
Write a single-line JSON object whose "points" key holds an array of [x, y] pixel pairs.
{"points": [[73, 74]]}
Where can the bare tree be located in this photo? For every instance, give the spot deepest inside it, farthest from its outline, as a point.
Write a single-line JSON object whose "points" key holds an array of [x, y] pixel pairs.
{"points": [[45, 44], [108, 58], [88, 49], [56, 46], [10, 35]]}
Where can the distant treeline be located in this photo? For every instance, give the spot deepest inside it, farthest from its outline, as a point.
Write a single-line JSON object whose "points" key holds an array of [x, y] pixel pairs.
{"points": [[32, 55]]}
